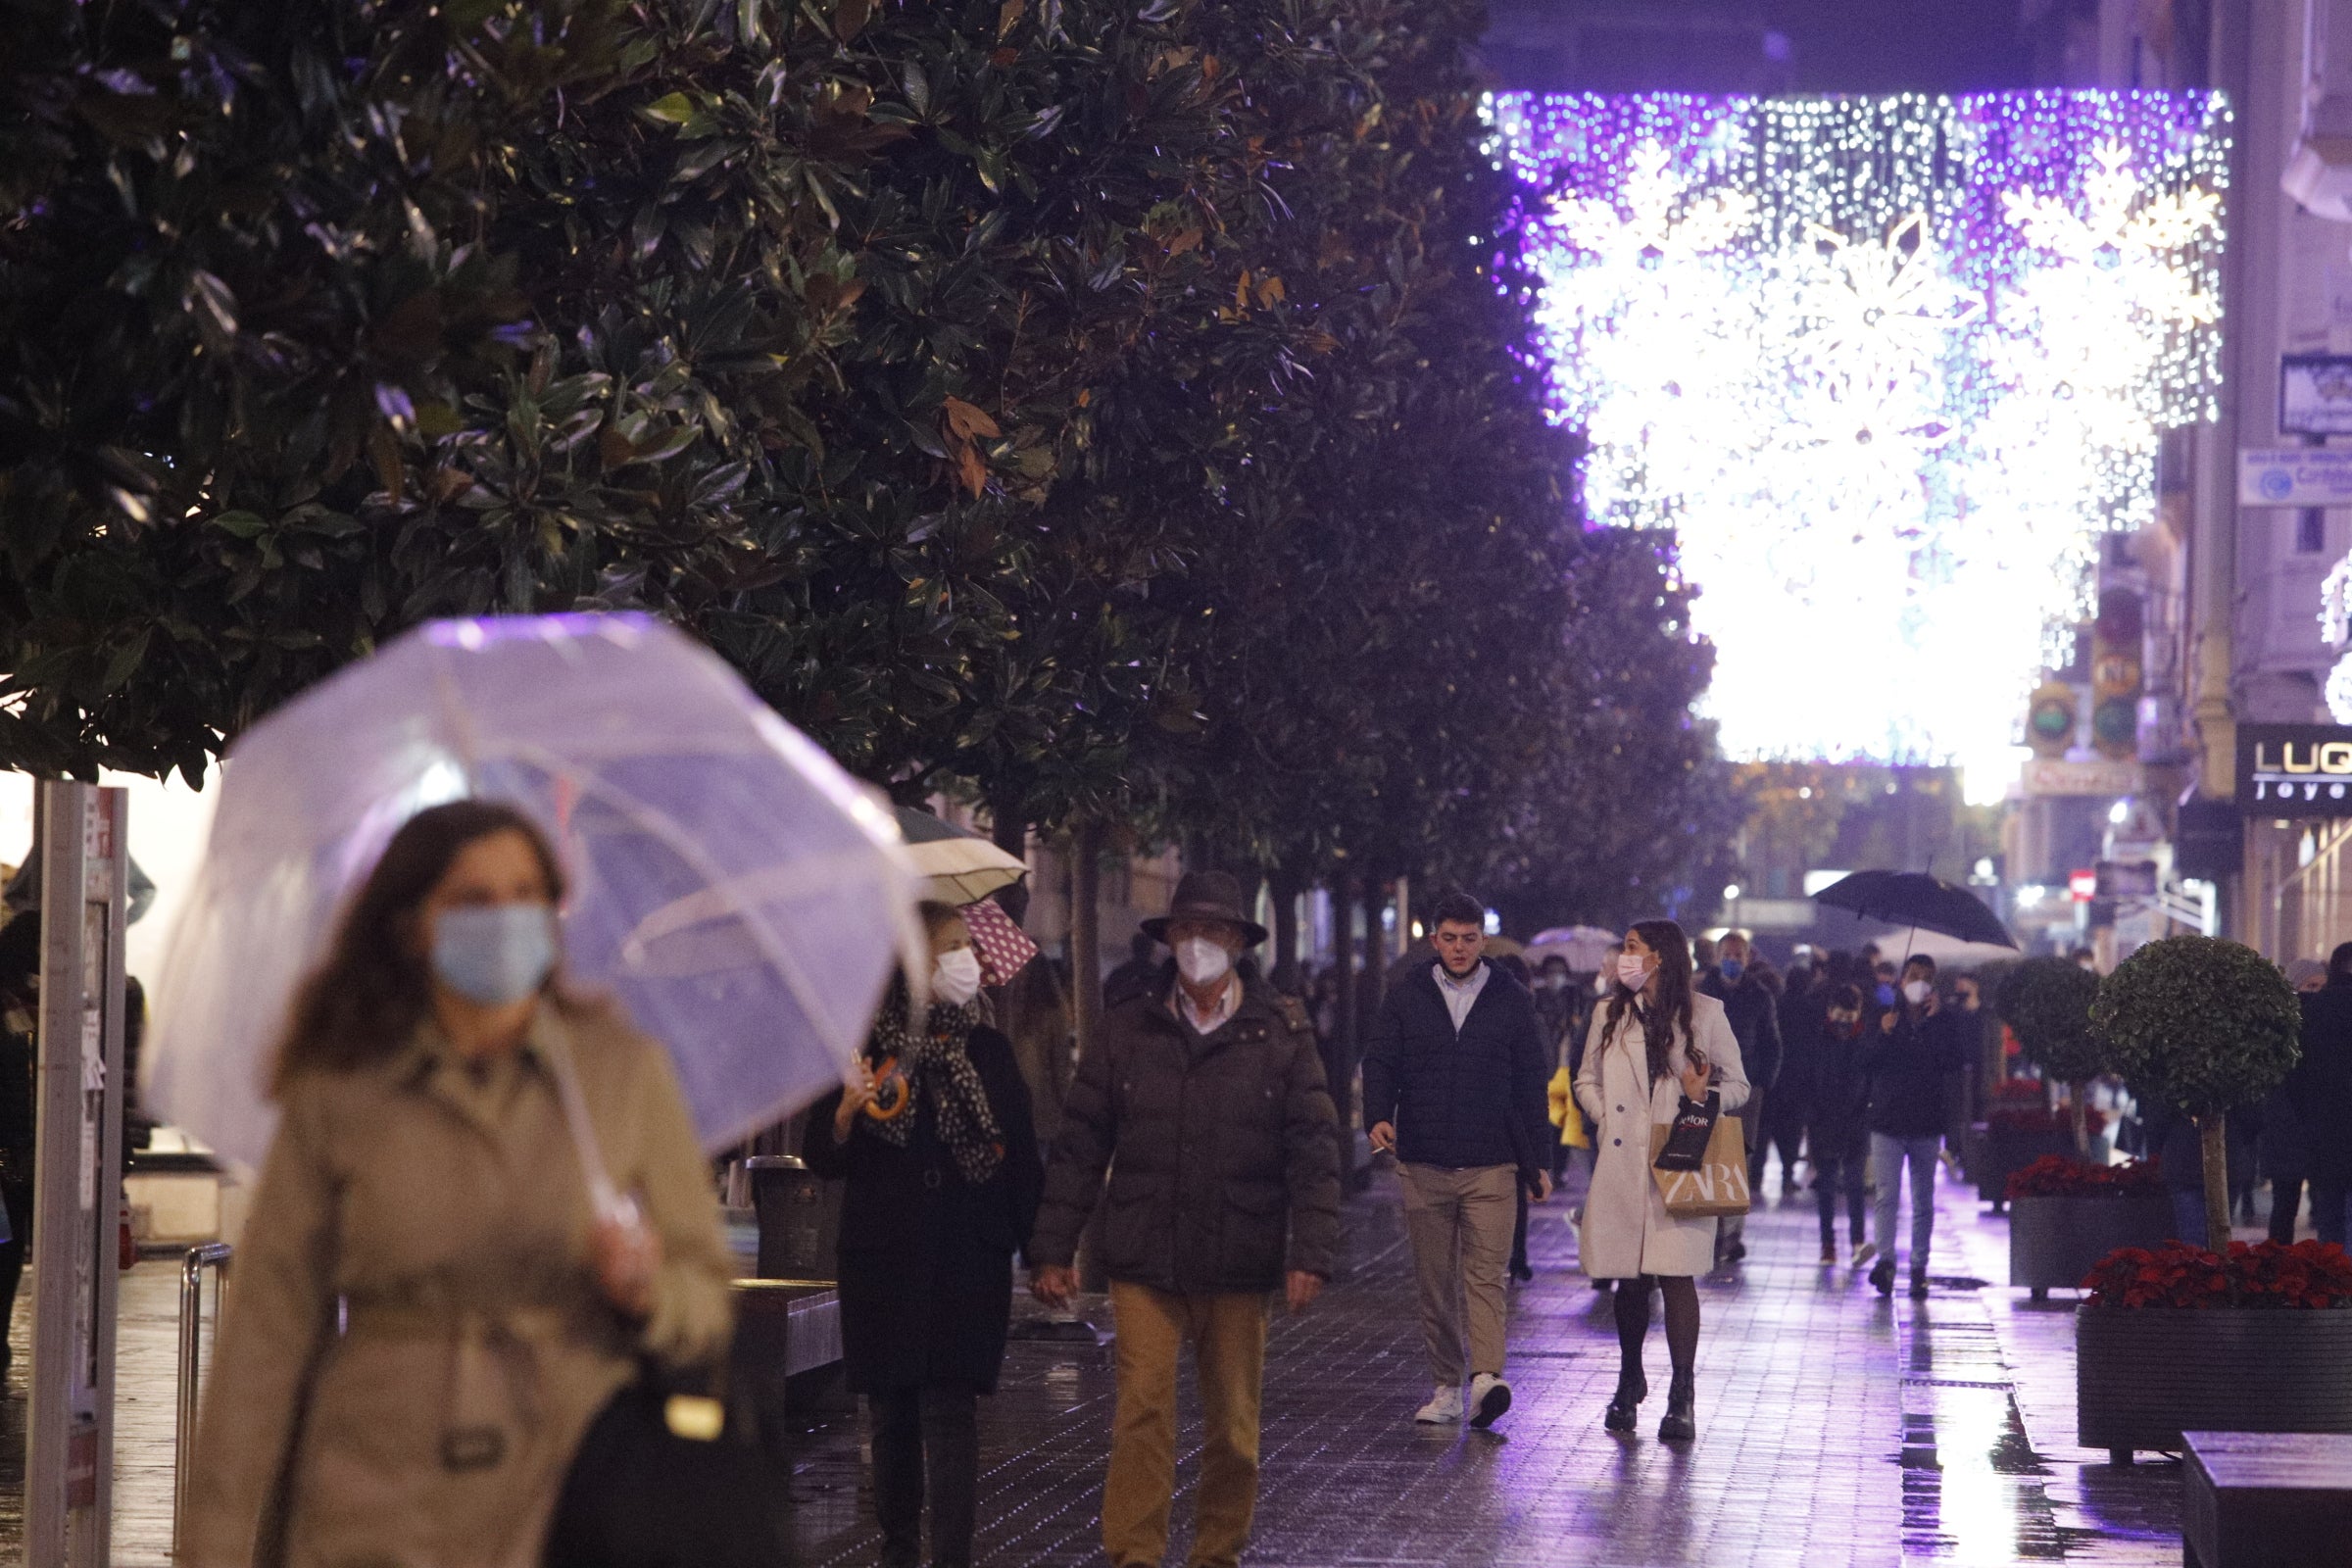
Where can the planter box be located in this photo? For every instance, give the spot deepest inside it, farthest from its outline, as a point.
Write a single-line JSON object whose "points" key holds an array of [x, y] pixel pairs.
{"points": [[2053, 1241], [2008, 1151], [2144, 1375]]}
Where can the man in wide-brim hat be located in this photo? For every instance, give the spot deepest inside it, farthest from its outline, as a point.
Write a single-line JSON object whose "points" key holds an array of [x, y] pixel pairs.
{"points": [[1206, 1099]]}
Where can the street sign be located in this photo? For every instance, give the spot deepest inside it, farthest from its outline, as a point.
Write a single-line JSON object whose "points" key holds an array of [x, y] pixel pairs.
{"points": [[2315, 394], [2047, 775], [2294, 476], [2294, 769]]}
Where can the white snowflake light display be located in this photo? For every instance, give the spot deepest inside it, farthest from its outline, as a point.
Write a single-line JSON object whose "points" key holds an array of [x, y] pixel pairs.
{"points": [[1888, 365]]}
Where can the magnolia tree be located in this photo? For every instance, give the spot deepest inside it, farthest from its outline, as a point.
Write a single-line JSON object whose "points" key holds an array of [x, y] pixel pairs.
{"points": [[2047, 1003], [2208, 1025]]}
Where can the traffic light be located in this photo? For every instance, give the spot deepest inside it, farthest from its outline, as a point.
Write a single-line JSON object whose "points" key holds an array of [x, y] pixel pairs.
{"points": [[2115, 674], [2051, 718]]}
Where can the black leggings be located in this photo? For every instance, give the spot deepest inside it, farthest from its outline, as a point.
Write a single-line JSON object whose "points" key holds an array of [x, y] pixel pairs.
{"points": [[935, 1430], [1681, 1319]]}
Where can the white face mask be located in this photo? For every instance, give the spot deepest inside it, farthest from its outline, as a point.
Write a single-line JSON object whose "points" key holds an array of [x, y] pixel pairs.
{"points": [[956, 977], [1633, 972], [1917, 991], [1203, 960]]}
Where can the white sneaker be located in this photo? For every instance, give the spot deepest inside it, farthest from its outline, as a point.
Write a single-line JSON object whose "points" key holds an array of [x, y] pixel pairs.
{"points": [[1445, 1406], [1864, 1254], [1490, 1396]]}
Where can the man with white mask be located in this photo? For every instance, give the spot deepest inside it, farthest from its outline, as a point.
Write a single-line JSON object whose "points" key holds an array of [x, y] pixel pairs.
{"points": [[1204, 1099]]}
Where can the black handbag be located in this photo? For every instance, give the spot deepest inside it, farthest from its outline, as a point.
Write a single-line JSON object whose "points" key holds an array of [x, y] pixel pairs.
{"points": [[661, 1482]]}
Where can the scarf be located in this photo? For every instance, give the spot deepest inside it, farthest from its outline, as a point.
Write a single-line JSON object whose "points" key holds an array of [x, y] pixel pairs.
{"points": [[939, 1068]]}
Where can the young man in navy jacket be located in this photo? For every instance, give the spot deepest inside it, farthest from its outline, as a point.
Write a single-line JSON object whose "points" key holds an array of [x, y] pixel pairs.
{"points": [[1453, 1082]]}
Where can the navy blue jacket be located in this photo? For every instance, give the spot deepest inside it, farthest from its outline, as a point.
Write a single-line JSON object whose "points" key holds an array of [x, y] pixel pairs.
{"points": [[1463, 1101], [1915, 1072]]}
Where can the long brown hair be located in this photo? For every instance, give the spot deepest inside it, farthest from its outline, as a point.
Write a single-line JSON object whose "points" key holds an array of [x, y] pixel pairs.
{"points": [[1672, 1009], [365, 1001]]}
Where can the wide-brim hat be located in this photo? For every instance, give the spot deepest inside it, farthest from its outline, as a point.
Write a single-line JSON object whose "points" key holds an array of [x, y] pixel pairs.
{"points": [[1207, 896]]}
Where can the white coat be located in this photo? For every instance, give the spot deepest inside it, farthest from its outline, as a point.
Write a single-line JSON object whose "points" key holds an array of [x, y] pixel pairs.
{"points": [[1627, 1230]]}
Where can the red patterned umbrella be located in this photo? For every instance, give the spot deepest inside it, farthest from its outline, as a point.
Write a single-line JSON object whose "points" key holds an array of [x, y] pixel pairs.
{"points": [[1004, 946]]}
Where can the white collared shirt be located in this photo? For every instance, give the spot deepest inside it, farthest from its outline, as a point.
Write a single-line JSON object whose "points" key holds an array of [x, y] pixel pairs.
{"points": [[1229, 1001], [1462, 995]]}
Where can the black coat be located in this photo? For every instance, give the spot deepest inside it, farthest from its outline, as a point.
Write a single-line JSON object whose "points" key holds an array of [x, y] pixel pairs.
{"points": [[2319, 1089], [1915, 1072], [1224, 1167], [1804, 1024], [1837, 1116], [1466, 1100], [926, 1256], [2178, 1144], [1755, 1020]]}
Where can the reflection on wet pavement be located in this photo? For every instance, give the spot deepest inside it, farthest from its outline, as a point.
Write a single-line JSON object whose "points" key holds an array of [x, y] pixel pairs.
{"points": [[1837, 1428]]}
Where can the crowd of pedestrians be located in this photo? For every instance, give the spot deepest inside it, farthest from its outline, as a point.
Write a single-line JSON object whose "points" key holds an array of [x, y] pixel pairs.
{"points": [[434, 1350]]}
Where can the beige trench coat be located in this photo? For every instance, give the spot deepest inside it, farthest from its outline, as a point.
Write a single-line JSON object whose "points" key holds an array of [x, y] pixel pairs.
{"points": [[441, 1213], [1627, 1230]]}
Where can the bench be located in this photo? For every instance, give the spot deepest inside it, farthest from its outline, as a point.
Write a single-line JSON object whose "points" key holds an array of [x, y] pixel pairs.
{"points": [[2266, 1500]]}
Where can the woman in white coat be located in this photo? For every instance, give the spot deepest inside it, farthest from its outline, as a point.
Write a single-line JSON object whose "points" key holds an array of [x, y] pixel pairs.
{"points": [[1652, 1044]]}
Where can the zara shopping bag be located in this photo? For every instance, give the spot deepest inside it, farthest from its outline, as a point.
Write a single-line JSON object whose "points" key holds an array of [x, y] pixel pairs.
{"points": [[1699, 1161]]}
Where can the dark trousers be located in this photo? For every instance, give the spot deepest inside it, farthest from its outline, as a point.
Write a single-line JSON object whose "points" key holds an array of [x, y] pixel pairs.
{"points": [[1751, 1117], [1519, 1232], [1832, 1169], [2327, 1193], [929, 1434], [2286, 1200], [1786, 1130]]}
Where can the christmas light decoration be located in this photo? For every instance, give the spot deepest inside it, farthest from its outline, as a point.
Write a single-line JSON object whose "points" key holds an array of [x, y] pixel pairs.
{"points": [[1889, 366]]}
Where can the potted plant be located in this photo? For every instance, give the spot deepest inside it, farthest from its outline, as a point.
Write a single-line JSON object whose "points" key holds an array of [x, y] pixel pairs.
{"points": [[2183, 1338], [2066, 1214], [2019, 1129], [2177, 1339], [2046, 1004]]}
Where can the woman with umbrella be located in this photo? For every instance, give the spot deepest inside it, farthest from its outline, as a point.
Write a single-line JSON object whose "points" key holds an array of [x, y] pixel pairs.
{"points": [[936, 1142], [442, 1094], [1655, 1044]]}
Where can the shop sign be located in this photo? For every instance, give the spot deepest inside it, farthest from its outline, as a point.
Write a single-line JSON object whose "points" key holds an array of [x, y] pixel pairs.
{"points": [[2050, 775], [2294, 769], [2315, 394], [2294, 476]]}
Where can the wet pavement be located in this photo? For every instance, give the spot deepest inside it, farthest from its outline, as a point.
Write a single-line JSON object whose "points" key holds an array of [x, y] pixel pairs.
{"points": [[1837, 1428]]}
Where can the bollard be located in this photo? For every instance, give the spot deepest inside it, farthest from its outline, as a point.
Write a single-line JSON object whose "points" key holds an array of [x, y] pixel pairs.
{"points": [[213, 1255]]}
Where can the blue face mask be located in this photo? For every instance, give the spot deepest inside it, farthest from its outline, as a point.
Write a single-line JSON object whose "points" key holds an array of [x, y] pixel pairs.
{"points": [[1886, 994], [1732, 969], [494, 955]]}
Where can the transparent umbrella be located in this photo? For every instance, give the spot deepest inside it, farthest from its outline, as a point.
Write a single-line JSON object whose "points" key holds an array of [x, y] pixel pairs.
{"points": [[744, 897]]}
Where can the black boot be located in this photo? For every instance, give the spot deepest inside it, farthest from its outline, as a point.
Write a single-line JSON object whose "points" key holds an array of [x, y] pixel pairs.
{"points": [[1919, 1284], [1681, 1423], [1632, 1388], [1882, 1277]]}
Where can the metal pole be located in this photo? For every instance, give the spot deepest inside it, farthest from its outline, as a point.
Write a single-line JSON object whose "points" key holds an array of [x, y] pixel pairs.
{"points": [[213, 1255]]}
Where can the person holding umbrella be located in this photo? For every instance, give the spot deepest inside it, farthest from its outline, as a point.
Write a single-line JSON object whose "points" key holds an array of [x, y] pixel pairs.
{"points": [[442, 1094], [943, 1178], [1915, 1059]]}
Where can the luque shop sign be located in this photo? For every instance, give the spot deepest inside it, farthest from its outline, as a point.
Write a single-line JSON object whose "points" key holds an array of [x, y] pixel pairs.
{"points": [[2294, 769]]}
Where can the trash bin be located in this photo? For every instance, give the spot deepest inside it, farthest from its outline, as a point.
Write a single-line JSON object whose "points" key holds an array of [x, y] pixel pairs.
{"points": [[800, 1218]]}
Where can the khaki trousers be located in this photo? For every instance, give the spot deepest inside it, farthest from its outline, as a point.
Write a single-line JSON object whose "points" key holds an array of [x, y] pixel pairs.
{"points": [[1460, 1224], [1227, 1337]]}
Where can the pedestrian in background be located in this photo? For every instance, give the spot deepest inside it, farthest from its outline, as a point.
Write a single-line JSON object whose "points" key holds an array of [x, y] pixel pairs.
{"points": [[1804, 1012], [424, 1187], [1754, 1012], [1510, 963], [942, 1177], [1453, 1084], [1914, 1060], [2318, 1091], [1205, 1100], [1656, 1044], [1837, 1132], [20, 1007]]}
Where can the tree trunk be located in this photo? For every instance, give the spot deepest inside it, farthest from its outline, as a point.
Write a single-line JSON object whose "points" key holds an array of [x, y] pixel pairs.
{"points": [[1286, 975], [1346, 1051], [2210, 1130], [1086, 933], [1011, 832], [2081, 1092]]}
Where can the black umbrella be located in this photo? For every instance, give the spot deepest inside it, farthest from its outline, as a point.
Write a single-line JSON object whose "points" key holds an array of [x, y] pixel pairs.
{"points": [[1912, 897]]}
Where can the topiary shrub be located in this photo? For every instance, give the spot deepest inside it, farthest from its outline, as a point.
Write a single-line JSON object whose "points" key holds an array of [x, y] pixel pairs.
{"points": [[2208, 1025], [2046, 1002]]}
